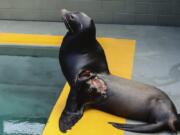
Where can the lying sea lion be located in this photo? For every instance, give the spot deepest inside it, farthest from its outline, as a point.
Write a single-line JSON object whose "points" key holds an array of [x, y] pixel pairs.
{"points": [[79, 50], [129, 99]]}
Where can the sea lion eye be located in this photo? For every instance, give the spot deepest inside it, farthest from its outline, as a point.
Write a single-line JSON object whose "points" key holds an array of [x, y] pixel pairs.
{"points": [[71, 17]]}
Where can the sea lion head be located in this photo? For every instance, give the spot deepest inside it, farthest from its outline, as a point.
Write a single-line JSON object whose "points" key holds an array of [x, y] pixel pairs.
{"points": [[77, 22]]}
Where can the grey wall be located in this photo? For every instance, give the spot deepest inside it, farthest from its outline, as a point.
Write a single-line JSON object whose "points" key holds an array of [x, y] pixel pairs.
{"points": [[155, 12]]}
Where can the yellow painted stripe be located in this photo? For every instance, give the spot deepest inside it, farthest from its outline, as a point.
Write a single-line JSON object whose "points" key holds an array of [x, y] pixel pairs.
{"points": [[30, 39], [36, 39]]}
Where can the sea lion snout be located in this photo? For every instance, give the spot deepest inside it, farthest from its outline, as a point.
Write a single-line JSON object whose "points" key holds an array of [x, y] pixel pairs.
{"points": [[65, 16], [68, 15], [64, 13]]}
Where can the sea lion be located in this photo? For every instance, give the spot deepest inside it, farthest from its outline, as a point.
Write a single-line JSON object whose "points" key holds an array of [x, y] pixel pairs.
{"points": [[129, 99], [79, 50]]}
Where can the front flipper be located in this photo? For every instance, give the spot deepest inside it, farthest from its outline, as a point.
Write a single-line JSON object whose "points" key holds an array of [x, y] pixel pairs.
{"points": [[72, 113], [68, 119]]}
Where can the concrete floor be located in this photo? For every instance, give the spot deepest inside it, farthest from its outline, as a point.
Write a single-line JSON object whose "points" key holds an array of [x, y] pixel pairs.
{"points": [[157, 62]]}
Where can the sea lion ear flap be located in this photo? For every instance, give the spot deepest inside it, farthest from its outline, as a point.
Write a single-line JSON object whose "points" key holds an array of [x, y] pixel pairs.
{"points": [[93, 28]]}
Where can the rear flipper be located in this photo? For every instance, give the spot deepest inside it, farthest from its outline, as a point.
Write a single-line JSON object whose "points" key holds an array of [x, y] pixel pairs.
{"points": [[140, 128]]}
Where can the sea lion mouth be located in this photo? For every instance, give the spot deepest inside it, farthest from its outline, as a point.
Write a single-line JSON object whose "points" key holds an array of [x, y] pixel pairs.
{"points": [[65, 18]]}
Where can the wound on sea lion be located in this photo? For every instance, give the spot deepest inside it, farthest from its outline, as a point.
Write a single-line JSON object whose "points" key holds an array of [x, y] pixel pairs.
{"points": [[98, 84], [95, 83]]}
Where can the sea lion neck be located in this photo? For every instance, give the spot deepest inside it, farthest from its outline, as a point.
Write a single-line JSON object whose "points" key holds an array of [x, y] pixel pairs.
{"points": [[82, 40]]}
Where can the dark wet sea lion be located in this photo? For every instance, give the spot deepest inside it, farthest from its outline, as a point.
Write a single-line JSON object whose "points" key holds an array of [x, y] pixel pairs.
{"points": [[129, 99], [79, 50]]}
